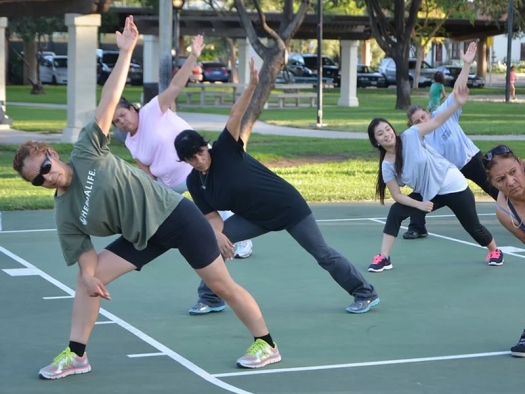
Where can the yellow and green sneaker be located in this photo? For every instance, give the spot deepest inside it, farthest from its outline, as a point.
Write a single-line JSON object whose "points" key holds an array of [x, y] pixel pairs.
{"points": [[65, 364], [258, 355]]}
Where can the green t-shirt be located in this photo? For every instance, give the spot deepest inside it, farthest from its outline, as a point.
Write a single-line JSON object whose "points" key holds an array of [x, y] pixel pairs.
{"points": [[107, 196], [436, 90]]}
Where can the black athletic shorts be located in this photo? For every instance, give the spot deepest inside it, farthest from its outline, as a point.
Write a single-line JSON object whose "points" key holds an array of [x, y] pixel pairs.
{"points": [[186, 229]]}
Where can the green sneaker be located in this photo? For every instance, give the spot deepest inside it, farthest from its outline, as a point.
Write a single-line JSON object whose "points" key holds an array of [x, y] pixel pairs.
{"points": [[258, 355], [65, 364]]}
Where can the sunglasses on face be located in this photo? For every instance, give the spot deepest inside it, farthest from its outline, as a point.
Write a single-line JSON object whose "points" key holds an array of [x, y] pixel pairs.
{"points": [[45, 167], [497, 151]]}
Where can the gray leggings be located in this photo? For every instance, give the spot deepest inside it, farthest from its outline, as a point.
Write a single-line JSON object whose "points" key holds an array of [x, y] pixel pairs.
{"points": [[308, 235]]}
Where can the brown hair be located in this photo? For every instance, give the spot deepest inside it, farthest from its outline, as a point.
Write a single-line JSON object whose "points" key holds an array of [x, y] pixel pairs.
{"points": [[492, 156], [411, 111], [27, 149]]}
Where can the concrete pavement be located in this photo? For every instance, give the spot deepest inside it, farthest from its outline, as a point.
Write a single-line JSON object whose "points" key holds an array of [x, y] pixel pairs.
{"points": [[212, 122]]}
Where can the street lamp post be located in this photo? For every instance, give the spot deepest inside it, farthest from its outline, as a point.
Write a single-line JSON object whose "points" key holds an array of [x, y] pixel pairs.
{"points": [[165, 43], [177, 6]]}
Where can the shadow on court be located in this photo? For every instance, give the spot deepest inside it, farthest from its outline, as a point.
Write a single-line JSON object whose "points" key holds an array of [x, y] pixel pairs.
{"points": [[444, 325]]}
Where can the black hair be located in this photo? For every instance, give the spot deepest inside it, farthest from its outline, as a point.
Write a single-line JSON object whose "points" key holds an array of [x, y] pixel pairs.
{"points": [[124, 103], [188, 143], [398, 164]]}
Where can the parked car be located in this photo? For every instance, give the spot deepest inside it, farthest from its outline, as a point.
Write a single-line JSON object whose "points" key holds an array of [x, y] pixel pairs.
{"points": [[106, 60], [366, 77], [196, 72], [307, 64], [53, 69], [387, 67], [451, 74], [215, 72]]}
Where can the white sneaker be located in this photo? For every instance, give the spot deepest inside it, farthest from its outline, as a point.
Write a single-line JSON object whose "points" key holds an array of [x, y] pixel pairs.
{"points": [[243, 249]]}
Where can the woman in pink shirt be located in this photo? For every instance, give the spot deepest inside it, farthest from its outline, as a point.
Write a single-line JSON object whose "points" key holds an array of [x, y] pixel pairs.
{"points": [[150, 139]]}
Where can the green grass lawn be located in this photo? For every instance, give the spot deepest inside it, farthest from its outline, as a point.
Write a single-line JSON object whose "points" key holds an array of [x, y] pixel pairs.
{"points": [[351, 178], [479, 117]]}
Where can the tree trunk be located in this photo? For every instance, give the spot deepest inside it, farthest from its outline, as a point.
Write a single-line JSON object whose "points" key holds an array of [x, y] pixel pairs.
{"points": [[402, 82], [420, 54], [271, 67], [232, 59], [30, 61]]}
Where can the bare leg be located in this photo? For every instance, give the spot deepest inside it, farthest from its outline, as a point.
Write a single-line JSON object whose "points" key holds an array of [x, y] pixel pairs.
{"points": [[386, 245], [86, 308], [218, 279]]}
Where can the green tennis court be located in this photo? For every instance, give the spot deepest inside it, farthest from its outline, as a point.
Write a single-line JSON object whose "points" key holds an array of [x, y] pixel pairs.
{"points": [[445, 323]]}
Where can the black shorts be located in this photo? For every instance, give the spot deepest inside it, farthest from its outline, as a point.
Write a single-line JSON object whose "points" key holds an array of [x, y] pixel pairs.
{"points": [[186, 229]]}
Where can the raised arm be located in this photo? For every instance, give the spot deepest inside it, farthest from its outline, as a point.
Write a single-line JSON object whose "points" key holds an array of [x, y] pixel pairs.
{"points": [[468, 58], [179, 80], [460, 97], [239, 108], [116, 82]]}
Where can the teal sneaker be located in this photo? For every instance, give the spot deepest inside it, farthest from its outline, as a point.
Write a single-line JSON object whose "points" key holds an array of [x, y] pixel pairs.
{"points": [[201, 308], [258, 355], [363, 306], [65, 364]]}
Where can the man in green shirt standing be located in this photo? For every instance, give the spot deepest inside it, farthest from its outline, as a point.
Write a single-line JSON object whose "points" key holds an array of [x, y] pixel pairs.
{"points": [[98, 194]]}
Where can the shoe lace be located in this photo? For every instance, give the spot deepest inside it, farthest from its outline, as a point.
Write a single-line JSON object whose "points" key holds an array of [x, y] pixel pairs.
{"points": [[522, 340], [377, 259], [258, 345], [494, 254], [66, 354]]}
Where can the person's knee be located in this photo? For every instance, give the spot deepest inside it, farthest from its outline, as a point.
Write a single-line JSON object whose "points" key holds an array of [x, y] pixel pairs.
{"points": [[224, 289]]}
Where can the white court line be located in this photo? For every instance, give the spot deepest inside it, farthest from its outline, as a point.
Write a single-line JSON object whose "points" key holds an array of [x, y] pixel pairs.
{"points": [[58, 297], [453, 239], [105, 322], [27, 231], [21, 271], [135, 331], [319, 221], [384, 218], [365, 364], [146, 355]]}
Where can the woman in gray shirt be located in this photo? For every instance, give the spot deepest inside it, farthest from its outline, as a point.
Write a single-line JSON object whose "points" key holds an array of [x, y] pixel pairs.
{"points": [[407, 159]]}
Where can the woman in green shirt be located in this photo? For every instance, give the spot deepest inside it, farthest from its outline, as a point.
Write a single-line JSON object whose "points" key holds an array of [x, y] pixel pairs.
{"points": [[99, 194], [437, 92]]}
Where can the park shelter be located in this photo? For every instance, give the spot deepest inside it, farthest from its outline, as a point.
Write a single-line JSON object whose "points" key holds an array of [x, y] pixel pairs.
{"points": [[83, 21]]}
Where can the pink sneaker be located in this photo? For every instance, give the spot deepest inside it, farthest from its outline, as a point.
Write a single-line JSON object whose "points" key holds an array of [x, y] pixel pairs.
{"points": [[258, 355], [65, 364], [380, 263], [495, 258]]}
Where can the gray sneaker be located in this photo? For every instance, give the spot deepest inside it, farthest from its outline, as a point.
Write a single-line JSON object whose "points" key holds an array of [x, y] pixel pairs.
{"points": [[363, 306], [201, 308]]}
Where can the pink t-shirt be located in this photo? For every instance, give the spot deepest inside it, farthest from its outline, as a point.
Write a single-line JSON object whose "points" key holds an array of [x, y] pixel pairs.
{"points": [[153, 143]]}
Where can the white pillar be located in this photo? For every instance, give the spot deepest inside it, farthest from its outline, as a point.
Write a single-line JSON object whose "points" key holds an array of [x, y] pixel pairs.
{"points": [[348, 96], [245, 52], [5, 122], [81, 72], [151, 59]]}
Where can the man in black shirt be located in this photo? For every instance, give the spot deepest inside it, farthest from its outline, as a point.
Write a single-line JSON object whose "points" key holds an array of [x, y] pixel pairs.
{"points": [[225, 177]]}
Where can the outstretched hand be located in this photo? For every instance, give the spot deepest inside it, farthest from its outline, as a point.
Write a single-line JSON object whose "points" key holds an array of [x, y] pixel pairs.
{"points": [[461, 94], [127, 40], [254, 72], [197, 45], [470, 54]]}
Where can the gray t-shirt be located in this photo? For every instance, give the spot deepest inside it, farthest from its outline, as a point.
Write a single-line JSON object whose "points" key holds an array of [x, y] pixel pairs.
{"points": [[449, 140], [424, 170], [107, 196]]}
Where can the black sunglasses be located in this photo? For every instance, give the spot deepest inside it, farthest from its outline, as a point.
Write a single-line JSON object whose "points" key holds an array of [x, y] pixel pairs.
{"points": [[45, 167], [497, 151]]}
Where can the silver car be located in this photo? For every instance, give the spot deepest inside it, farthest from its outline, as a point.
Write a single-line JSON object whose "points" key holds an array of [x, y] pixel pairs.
{"points": [[53, 69], [388, 69]]}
